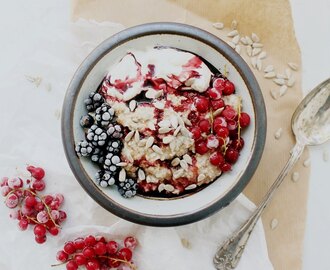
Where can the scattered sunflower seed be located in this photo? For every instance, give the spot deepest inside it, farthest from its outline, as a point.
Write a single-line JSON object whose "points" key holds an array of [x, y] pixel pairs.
{"points": [[291, 81], [307, 163], [169, 188], [218, 25], [279, 81], [257, 45], [283, 90], [325, 155], [259, 64], [238, 49], [278, 134], [254, 62], [231, 44], [157, 149], [132, 105], [243, 40], [190, 187], [129, 136], [275, 94], [185, 243], [295, 176], [142, 143], [273, 223], [256, 51], [201, 177], [184, 164], [248, 40], [255, 37], [232, 33], [122, 175], [249, 50], [188, 159], [175, 162], [293, 66], [269, 68], [270, 75], [288, 73], [137, 136], [235, 39], [164, 123], [141, 174], [150, 142], [234, 24], [121, 164], [262, 55], [280, 76], [168, 139], [164, 130]]}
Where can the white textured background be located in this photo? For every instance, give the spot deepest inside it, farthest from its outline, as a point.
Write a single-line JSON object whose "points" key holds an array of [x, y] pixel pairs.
{"points": [[22, 25]]}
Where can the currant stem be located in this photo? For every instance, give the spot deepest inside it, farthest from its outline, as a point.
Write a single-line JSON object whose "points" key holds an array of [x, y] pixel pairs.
{"points": [[239, 116], [132, 266]]}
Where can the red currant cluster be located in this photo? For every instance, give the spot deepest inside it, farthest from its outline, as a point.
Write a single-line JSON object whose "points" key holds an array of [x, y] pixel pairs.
{"points": [[219, 135], [95, 253], [31, 208]]}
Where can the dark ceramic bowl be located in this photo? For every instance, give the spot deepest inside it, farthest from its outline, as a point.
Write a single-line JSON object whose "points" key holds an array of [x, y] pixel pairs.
{"points": [[213, 197]]}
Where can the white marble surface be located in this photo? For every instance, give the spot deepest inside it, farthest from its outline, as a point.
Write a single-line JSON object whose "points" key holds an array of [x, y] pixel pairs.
{"points": [[22, 24]]}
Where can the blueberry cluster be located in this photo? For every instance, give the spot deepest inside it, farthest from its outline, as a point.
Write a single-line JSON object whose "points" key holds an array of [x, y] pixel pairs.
{"points": [[103, 144]]}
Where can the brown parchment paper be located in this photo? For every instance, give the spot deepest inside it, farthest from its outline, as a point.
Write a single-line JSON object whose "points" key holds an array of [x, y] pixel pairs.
{"points": [[272, 21]]}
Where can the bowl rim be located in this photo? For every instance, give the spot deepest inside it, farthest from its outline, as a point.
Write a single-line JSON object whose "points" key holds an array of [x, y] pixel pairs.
{"points": [[116, 40]]}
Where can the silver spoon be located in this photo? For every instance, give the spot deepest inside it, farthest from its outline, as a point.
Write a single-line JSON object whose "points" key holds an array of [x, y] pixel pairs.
{"points": [[311, 126]]}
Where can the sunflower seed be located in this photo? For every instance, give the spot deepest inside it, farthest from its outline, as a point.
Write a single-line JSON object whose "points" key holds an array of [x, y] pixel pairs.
{"points": [[181, 122], [132, 105], [262, 55], [255, 38], [141, 174], [188, 159], [151, 179], [142, 143], [122, 175], [178, 129], [269, 68], [295, 176], [218, 25], [256, 51], [231, 44], [164, 123], [307, 163], [137, 136], [190, 187], [164, 130], [238, 49], [273, 223], [185, 132], [278, 134], [288, 73], [159, 105], [177, 174], [243, 40], [291, 81], [279, 81], [275, 94], [150, 142], [270, 75], [235, 39], [218, 111], [168, 139], [184, 164], [283, 90], [157, 149], [325, 155], [129, 157], [161, 187], [280, 76], [129, 136], [232, 33], [174, 121], [248, 40], [158, 94], [121, 164], [169, 188], [175, 162], [201, 177], [257, 45], [293, 66], [254, 62], [259, 64], [234, 24], [187, 121], [249, 51], [151, 93]]}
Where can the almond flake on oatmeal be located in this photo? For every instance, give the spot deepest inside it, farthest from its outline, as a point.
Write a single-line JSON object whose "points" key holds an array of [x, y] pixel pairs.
{"points": [[270, 75], [235, 39], [257, 45], [164, 130], [269, 68], [156, 149], [169, 188], [295, 176], [255, 37], [122, 175], [256, 51], [175, 162], [159, 105], [184, 164], [190, 187], [141, 174], [293, 66], [218, 25], [279, 81], [174, 121], [176, 132], [132, 105], [291, 81], [275, 94], [168, 139], [121, 164], [129, 136], [283, 90], [278, 134], [185, 132], [249, 50], [273, 223], [161, 187], [188, 159], [150, 142], [201, 177], [262, 55], [232, 33], [136, 136]]}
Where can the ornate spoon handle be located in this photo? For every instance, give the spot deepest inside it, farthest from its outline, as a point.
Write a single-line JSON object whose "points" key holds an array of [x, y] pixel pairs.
{"points": [[229, 254]]}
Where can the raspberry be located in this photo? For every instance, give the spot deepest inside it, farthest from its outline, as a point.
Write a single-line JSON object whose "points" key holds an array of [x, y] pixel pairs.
{"points": [[112, 247], [69, 248], [61, 256], [216, 159], [204, 125], [202, 104], [229, 88], [244, 120], [130, 242], [201, 147]]}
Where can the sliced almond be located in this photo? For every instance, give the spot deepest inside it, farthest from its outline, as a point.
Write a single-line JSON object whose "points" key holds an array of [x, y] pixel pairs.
{"points": [[254, 62], [238, 49], [234, 24], [142, 143], [157, 149], [151, 179], [129, 136], [232, 33], [151, 93], [295, 176], [275, 94], [248, 40], [164, 123], [188, 159], [218, 25], [288, 73], [150, 142], [269, 68], [231, 44], [177, 174], [132, 105], [187, 121], [175, 162], [164, 130], [161, 187], [122, 175], [255, 37], [307, 163], [243, 40], [141, 174], [270, 75], [168, 139], [190, 187], [259, 64], [273, 223], [278, 134]]}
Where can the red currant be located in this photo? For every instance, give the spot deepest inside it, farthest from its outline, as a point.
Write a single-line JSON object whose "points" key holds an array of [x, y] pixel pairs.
{"points": [[229, 113], [219, 121], [125, 254], [244, 120], [54, 230], [113, 263], [219, 84], [225, 167], [38, 185], [30, 201], [71, 265], [42, 216], [229, 88], [88, 252], [39, 230], [69, 248], [196, 132], [39, 206], [90, 240], [112, 247], [62, 256], [62, 215], [204, 125], [214, 93], [193, 117], [217, 104], [23, 224], [79, 243], [130, 242], [100, 248], [212, 142], [12, 201], [232, 124], [237, 144], [15, 182], [202, 104], [222, 132], [80, 259], [40, 239], [201, 147], [37, 173], [5, 190], [101, 239], [216, 159], [92, 265], [232, 155]]}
